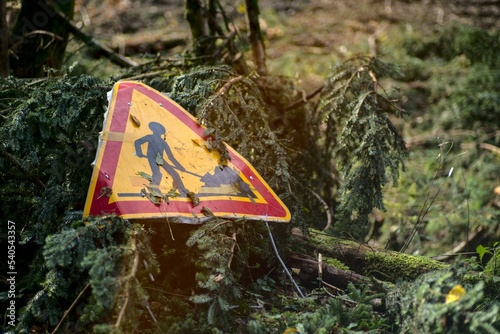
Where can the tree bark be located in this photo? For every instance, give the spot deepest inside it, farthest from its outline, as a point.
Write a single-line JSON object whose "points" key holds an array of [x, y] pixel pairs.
{"points": [[256, 39], [39, 37], [4, 40], [197, 15]]}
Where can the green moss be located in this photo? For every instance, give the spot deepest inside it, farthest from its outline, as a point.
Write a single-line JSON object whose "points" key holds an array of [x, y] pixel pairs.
{"points": [[335, 263], [393, 267], [325, 241]]}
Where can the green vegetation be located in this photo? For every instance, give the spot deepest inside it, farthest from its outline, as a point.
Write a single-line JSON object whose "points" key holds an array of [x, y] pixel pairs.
{"points": [[439, 304], [451, 140], [392, 268], [338, 153]]}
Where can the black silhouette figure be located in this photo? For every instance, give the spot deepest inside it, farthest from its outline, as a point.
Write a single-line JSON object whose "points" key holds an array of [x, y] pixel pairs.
{"points": [[157, 145], [227, 175]]}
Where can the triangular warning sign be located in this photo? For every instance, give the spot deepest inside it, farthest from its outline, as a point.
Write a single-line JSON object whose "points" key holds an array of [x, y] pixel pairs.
{"points": [[153, 162]]}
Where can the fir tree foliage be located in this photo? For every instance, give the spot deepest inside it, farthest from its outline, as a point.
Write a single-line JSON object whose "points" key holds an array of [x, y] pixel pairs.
{"points": [[98, 275], [48, 124], [102, 254], [361, 139], [49, 132], [221, 250], [52, 127], [351, 312]]}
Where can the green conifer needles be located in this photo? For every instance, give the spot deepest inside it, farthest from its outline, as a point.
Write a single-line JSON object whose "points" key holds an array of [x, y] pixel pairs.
{"points": [[361, 139]]}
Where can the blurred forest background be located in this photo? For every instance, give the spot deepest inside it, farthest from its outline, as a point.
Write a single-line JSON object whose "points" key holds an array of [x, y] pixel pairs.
{"points": [[322, 114]]}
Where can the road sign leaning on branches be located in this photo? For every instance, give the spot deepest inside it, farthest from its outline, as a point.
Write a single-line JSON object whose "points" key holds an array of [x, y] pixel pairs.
{"points": [[154, 161]]}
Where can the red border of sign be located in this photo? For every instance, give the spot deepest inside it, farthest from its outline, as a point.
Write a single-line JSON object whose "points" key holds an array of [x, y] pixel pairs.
{"points": [[105, 168]]}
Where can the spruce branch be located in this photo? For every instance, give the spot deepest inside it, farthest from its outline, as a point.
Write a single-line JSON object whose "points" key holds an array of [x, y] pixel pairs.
{"points": [[361, 139], [14, 160]]}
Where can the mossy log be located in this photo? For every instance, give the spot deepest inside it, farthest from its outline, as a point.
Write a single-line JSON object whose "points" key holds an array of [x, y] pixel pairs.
{"points": [[354, 260]]}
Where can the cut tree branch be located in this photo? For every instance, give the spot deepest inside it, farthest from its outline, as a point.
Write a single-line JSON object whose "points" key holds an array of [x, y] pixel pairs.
{"points": [[227, 86], [103, 50]]}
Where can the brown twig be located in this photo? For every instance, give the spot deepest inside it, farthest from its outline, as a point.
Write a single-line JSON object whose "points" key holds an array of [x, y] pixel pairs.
{"points": [[71, 307], [227, 86], [305, 99], [326, 208], [131, 275], [490, 147], [219, 224]]}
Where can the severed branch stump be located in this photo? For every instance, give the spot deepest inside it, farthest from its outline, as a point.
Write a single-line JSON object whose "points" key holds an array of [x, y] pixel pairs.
{"points": [[307, 270]]}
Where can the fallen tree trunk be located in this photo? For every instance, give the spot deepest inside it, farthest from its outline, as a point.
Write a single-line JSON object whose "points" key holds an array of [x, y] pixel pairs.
{"points": [[361, 259], [146, 44]]}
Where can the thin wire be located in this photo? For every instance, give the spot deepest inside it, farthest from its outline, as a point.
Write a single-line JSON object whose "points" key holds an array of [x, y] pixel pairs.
{"points": [[283, 263], [425, 210]]}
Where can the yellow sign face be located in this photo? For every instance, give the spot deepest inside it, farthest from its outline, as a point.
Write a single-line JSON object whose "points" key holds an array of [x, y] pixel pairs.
{"points": [[154, 162]]}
